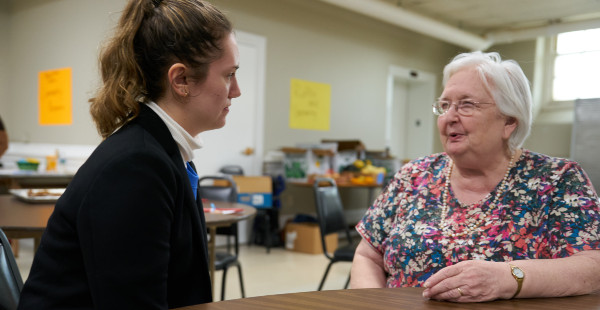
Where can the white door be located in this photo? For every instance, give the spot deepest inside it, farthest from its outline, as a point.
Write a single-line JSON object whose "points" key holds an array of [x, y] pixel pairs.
{"points": [[397, 143], [410, 121], [240, 142]]}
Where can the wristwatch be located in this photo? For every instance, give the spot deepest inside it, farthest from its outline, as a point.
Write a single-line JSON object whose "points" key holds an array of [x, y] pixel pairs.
{"points": [[519, 275]]}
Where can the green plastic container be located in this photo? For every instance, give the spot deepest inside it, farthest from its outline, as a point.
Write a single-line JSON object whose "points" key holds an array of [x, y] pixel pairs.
{"points": [[25, 165]]}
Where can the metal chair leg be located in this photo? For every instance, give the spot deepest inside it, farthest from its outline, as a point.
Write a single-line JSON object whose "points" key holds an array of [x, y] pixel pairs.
{"points": [[241, 281], [325, 275], [268, 229], [223, 284]]}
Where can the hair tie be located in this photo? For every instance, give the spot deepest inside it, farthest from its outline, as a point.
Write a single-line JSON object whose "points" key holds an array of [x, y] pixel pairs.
{"points": [[156, 3]]}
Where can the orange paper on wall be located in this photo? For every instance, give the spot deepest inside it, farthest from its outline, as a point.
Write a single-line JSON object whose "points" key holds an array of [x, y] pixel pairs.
{"points": [[55, 97]]}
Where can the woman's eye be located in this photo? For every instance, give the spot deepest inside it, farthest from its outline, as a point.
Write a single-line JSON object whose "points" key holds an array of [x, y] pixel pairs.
{"points": [[467, 104]]}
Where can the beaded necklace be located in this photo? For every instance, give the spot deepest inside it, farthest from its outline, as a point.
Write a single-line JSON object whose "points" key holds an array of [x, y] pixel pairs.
{"points": [[445, 227]]}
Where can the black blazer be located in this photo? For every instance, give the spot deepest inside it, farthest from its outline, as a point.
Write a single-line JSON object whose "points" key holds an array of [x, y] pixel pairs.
{"points": [[127, 233]]}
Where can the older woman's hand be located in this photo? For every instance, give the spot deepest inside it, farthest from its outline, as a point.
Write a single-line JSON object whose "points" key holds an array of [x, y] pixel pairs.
{"points": [[471, 281]]}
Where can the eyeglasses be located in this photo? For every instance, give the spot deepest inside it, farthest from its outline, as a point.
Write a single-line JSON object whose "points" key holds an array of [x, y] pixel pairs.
{"points": [[464, 107]]}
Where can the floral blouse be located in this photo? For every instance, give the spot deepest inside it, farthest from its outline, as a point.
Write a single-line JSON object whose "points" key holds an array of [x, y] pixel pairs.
{"points": [[549, 209]]}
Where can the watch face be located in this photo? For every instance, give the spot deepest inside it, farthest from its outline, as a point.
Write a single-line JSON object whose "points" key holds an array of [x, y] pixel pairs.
{"points": [[518, 272]]}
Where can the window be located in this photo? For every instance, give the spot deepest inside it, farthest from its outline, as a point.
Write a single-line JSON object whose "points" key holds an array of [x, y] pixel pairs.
{"points": [[577, 65]]}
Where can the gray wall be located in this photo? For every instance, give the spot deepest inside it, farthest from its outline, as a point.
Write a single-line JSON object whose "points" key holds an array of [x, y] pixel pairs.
{"points": [[306, 39], [52, 34], [522, 52], [4, 103], [310, 40]]}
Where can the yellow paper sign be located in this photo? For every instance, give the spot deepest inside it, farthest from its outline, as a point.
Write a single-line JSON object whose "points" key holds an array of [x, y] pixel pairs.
{"points": [[310, 105], [55, 97]]}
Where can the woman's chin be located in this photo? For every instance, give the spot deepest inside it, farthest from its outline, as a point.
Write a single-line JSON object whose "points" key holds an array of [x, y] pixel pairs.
{"points": [[453, 150]]}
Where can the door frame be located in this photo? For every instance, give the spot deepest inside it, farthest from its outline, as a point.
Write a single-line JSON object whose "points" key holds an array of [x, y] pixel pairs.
{"points": [[260, 43], [411, 77]]}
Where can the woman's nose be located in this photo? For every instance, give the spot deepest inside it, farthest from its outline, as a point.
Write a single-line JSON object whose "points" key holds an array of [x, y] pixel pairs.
{"points": [[235, 90]]}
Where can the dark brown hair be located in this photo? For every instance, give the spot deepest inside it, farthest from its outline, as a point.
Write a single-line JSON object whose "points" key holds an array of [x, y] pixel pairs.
{"points": [[150, 37]]}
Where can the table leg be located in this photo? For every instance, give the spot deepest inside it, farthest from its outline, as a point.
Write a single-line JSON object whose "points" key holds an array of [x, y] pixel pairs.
{"points": [[36, 243], [15, 246], [370, 196], [212, 256], [24, 234]]}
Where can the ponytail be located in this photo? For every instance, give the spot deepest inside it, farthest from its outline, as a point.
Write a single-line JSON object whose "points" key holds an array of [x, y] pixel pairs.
{"points": [[151, 36]]}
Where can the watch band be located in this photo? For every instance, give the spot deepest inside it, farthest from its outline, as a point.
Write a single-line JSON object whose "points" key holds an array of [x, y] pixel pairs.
{"points": [[519, 275]]}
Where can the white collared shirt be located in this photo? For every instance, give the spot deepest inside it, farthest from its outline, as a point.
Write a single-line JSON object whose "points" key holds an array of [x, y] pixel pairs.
{"points": [[186, 143]]}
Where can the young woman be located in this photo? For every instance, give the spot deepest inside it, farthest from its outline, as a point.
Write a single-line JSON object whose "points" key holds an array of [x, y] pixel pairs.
{"points": [[129, 233]]}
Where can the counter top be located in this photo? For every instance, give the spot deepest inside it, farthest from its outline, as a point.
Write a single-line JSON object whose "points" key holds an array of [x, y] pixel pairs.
{"points": [[16, 174]]}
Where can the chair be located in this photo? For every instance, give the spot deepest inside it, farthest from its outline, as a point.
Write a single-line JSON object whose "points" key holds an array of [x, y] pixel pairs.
{"points": [[229, 170], [220, 188], [330, 216], [10, 278], [232, 170], [265, 229], [221, 192]]}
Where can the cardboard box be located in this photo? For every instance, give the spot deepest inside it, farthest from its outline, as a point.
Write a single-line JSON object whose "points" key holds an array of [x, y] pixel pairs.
{"points": [[256, 191], [306, 238]]}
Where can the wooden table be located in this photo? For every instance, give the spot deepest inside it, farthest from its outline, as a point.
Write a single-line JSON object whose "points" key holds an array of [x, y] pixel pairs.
{"points": [[20, 219], [14, 178], [388, 299]]}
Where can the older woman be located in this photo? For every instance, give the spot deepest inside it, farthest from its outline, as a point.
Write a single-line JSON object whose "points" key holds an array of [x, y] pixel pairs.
{"points": [[485, 219]]}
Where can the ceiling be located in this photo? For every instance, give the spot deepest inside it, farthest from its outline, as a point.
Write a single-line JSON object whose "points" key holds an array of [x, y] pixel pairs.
{"points": [[478, 24]]}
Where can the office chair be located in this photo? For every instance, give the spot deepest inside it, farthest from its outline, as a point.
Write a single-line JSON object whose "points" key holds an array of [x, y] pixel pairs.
{"points": [[11, 282], [224, 260], [330, 216]]}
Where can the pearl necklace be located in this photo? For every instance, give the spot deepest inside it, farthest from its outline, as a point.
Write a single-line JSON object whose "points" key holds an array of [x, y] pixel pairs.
{"points": [[445, 227]]}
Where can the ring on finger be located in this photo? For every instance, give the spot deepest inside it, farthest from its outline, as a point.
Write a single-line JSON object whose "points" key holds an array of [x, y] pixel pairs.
{"points": [[460, 291]]}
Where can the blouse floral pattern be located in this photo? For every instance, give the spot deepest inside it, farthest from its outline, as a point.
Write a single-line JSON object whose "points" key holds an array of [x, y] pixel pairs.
{"points": [[549, 209]]}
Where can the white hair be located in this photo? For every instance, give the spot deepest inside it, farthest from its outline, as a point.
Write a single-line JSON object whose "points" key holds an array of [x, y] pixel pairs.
{"points": [[507, 83]]}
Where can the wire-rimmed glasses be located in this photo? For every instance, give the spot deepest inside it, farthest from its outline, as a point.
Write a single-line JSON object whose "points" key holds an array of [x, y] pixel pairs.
{"points": [[464, 107]]}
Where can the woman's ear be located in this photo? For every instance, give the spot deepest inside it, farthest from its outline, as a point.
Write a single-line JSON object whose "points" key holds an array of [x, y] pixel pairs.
{"points": [[509, 126], [178, 79]]}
